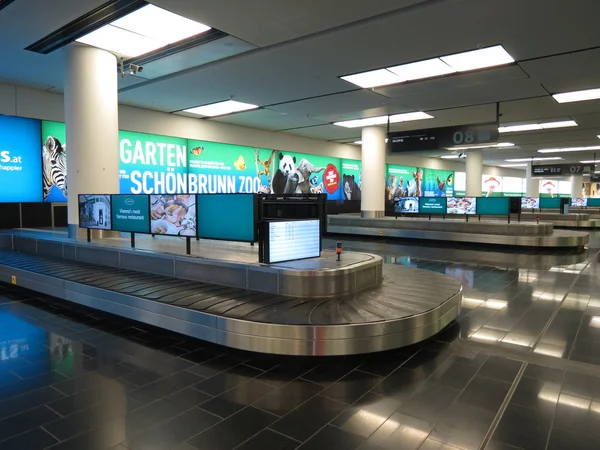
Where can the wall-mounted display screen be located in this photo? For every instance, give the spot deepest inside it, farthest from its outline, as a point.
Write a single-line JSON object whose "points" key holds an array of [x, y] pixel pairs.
{"points": [[493, 206], [131, 213], [593, 202], [20, 160], [94, 211], [530, 203], [433, 205], [226, 216], [407, 205], [173, 215], [291, 240], [579, 201], [462, 205]]}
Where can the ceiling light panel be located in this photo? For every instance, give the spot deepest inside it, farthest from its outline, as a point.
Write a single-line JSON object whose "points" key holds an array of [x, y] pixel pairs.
{"points": [[577, 96], [221, 108], [514, 165], [374, 78], [537, 126], [590, 162], [569, 149], [479, 59], [450, 157], [383, 120], [553, 158], [423, 69], [143, 31], [482, 146], [409, 117]]}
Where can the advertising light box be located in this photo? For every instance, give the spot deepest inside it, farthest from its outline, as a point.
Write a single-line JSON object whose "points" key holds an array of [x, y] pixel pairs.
{"points": [[291, 240], [407, 205], [491, 186], [94, 211], [513, 186], [226, 216], [54, 162], [462, 205], [20, 160], [173, 215], [493, 206], [131, 213], [550, 203], [410, 181], [433, 205], [351, 179]]}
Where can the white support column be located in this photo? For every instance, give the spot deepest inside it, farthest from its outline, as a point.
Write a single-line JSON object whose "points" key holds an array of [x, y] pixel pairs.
{"points": [[532, 185], [576, 186], [92, 126], [474, 172], [373, 172]]}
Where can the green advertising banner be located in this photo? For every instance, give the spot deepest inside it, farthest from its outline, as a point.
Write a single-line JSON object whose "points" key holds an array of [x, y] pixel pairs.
{"points": [[410, 181], [493, 206], [131, 213], [54, 144], [433, 205]]}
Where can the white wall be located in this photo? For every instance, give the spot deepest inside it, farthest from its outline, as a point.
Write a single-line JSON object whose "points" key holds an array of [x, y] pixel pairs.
{"points": [[27, 102]]}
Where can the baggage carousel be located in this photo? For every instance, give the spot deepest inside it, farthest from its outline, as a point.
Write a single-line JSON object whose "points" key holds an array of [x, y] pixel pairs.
{"points": [[405, 306]]}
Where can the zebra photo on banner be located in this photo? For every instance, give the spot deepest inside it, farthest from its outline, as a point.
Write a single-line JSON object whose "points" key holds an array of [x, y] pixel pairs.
{"points": [[54, 169]]}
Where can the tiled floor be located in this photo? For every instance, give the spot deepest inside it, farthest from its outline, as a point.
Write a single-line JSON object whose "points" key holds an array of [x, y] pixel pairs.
{"points": [[520, 369]]}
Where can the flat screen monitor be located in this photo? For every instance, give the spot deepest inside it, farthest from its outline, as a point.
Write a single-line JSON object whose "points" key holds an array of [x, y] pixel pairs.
{"points": [[228, 217], [462, 205], [173, 215], [433, 205], [291, 240], [530, 203], [579, 202], [94, 211], [493, 206], [131, 213], [407, 205]]}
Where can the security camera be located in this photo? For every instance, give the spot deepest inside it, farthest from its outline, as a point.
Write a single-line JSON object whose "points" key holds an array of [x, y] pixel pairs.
{"points": [[135, 69], [462, 155]]}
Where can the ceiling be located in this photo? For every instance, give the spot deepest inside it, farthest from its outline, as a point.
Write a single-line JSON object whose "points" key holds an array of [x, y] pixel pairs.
{"points": [[287, 57]]}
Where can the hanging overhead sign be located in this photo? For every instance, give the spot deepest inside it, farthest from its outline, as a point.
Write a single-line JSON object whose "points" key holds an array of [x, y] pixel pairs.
{"points": [[562, 169], [438, 138]]}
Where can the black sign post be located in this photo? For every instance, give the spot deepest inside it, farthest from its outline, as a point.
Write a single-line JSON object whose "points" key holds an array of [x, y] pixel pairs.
{"points": [[445, 137]]}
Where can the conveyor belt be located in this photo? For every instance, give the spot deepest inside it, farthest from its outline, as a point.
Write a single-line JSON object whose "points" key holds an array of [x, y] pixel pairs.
{"points": [[411, 305]]}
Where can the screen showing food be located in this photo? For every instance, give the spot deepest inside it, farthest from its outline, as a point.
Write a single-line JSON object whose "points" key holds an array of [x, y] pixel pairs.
{"points": [[493, 205], [295, 239], [462, 205], [94, 211], [530, 203], [173, 215], [131, 213], [433, 205], [579, 201], [407, 205], [226, 216]]}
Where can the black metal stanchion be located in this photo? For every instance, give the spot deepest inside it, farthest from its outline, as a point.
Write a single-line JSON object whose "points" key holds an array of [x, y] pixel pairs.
{"points": [[132, 240], [89, 235], [509, 218], [188, 245], [338, 251]]}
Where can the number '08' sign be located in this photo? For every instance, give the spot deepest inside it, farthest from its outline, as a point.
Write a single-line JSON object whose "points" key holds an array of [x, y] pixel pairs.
{"points": [[463, 137]]}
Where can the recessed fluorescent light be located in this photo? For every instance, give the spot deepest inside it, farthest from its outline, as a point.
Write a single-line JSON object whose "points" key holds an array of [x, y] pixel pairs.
{"points": [[562, 124], [221, 108], [360, 142], [142, 31], [536, 126], [408, 117], [479, 59], [499, 145], [590, 162], [569, 149], [374, 78], [577, 96], [160, 25], [514, 165], [553, 158], [423, 69], [382, 120], [450, 157]]}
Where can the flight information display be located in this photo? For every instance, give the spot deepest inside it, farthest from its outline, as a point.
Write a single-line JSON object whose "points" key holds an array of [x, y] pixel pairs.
{"points": [[294, 239]]}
